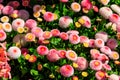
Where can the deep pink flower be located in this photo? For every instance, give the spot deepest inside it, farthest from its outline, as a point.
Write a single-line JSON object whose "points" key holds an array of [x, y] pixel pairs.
{"points": [[37, 31], [96, 64], [71, 55], [67, 70], [1, 1], [99, 43], [95, 8], [112, 43], [114, 55], [3, 35], [7, 10], [24, 51], [113, 77], [48, 16], [55, 32], [23, 14], [86, 4], [114, 18], [86, 21], [95, 53], [14, 4], [104, 58], [75, 7], [47, 34], [91, 43], [84, 39], [64, 1], [100, 75], [62, 53], [74, 38], [42, 50], [105, 49], [30, 23], [63, 36], [106, 66]]}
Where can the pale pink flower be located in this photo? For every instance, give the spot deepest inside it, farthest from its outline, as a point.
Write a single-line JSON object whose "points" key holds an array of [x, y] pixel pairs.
{"points": [[96, 64], [30, 23], [64, 1], [105, 50], [53, 56], [62, 53], [105, 12], [107, 67], [114, 18], [74, 38], [47, 34], [104, 58], [87, 21], [84, 39], [37, 31], [114, 55], [65, 21], [104, 2], [75, 7], [14, 52], [82, 63], [66, 70], [86, 4], [112, 43], [7, 27], [3, 35], [7, 10], [99, 43], [18, 23], [100, 75], [113, 77], [91, 43], [55, 32], [29, 37], [48, 16], [71, 55], [94, 53], [23, 14], [42, 50], [101, 35], [72, 32], [63, 36], [115, 8]]}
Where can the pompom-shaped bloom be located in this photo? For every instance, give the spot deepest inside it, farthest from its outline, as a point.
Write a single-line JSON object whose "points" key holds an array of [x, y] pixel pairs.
{"points": [[104, 2], [7, 27], [99, 43], [105, 12], [62, 53], [114, 18], [102, 35], [106, 50], [14, 14], [63, 36], [86, 4], [112, 43], [91, 43], [100, 75], [84, 39], [30, 23], [18, 23], [37, 31], [3, 35], [75, 7], [115, 8], [52, 55], [74, 38], [72, 32], [14, 52], [47, 34], [30, 37], [4, 19], [67, 70], [55, 32], [42, 50], [48, 16], [104, 58], [23, 14], [106, 66], [65, 21], [114, 55], [71, 55], [82, 63], [7, 10], [95, 53], [64, 1], [36, 8], [96, 64], [113, 77]]}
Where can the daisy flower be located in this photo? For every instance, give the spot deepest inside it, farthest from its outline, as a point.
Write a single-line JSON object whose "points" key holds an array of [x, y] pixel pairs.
{"points": [[104, 2], [36, 8], [23, 14], [99, 43], [101, 35], [3, 35], [55, 32], [30, 23], [64, 1], [20, 29], [65, 21], [105, 12], [14, 52], [48, 16], [86, 4], [84, 39], [71, 55], [32, 59], [36, 14], [114, 18], [107, 67], [75, 7], [30, 37], [82, 63], [7, 27], [105, 49], [37, 31], [115, 8], [42, 50], [18, 23], [100, 75], [96, 65], [62, 53], [7, 10], [94, 53], [113, 77], [112, 43], [66, 70], [4, 19], [47, 34], [91, 43], [114, 55], [74, 38], [63, 36], [103, 58]]}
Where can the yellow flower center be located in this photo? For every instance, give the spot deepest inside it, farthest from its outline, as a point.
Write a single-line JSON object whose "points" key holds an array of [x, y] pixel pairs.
{"points": [[101, 74], [75, 65], [115, 55], [27, 56], [72, 55], [76, 6], [97, 63], [82, 21]]}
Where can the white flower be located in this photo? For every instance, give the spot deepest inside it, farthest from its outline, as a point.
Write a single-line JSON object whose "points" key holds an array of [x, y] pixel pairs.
{"points": [[115, 8]]}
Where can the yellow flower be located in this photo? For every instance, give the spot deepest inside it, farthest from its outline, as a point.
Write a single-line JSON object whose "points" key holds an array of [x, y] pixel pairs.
{"points": [[27, 56], [43, 11], [81, 21], [51, 76], [1, 25], [40, 19], [20, 29], [75, 65], [14, 15], [43, 7], [85, 10], [18, 44], [84, 74], [26, 29], [77, 24], [55, 16], [85, 44], [5, 19], [36, 14]]}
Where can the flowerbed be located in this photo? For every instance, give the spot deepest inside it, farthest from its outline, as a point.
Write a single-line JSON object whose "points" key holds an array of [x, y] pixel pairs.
{"points": [[60, 39]]}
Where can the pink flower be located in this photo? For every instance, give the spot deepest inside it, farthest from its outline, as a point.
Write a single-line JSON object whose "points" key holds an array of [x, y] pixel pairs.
{"points": [[84, 39], [94, 53], [106, 66], [65, 21], [102, 35], [64, 1], [105, 12], [23, 14], [30, 23], [48, 16], [63, 36], [112, 43], [82, 63], [30, 37], [14, 4], [104, 2], [86, 21], [62, 53], [55, 32], [95, 8], [75, 7], [100, 75], [113, 77], [96, 64], [115, 8], [47, 35], [42, 50], [114, 55], [99, 43], [114, 18], [71, 55], [14, 52], [72, 32], [3, 35], [105, 50], [104, 58], [18, 23], [1, 1], [37, 31], [91, 43], [53, 56], [32, 59], [7, 10], [74, 38], [67, 70], [36, 8], [15, 14], [86, 4]]}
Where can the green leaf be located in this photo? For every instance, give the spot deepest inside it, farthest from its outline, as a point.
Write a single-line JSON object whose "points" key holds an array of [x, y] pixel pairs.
{"points": [[34, 72]]}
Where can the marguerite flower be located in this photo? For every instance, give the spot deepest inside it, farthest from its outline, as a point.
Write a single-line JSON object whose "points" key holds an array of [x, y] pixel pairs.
{"points": [[71, 55], [74, 38], [37, 31], [95, 53], [30, 37], [91, 43], [62, 53], [32, 59], [3, 35], [55, 32], [7, 10], [23, 14], [4, 19], [112, 43], [107, 67], [84, 39], [115, 18], [36, 14], [30, 23], [100, 75], [7, 27], [47, 34], [105, 49], [42, 50], [114, 55], [75, 7], [99, 43], [113, 77], [48, 16], [86, 4], [103, 58], [63, 36]]}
